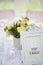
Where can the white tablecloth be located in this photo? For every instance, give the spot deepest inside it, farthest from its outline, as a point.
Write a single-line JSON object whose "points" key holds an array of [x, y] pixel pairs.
{"points": [[8, 54]]}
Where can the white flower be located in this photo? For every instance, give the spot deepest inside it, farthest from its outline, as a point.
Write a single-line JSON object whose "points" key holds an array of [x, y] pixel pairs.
{"points": [[19, 29]]}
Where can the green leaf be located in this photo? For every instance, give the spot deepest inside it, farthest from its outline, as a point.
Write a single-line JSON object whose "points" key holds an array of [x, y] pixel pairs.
{"points": [[6, 28], [26, 25], [26, 18]]}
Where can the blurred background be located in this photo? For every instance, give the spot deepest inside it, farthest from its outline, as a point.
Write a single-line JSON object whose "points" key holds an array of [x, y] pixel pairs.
{"points": [[21, 6]]}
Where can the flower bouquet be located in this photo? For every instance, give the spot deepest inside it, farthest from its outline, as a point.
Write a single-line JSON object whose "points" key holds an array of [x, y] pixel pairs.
{"points": [[15, 28]]}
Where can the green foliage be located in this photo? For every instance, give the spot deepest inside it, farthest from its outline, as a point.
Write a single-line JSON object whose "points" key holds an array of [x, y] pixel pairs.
{"points": [[26, 18], [25, 25], [13, 30], [6, 28]]}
